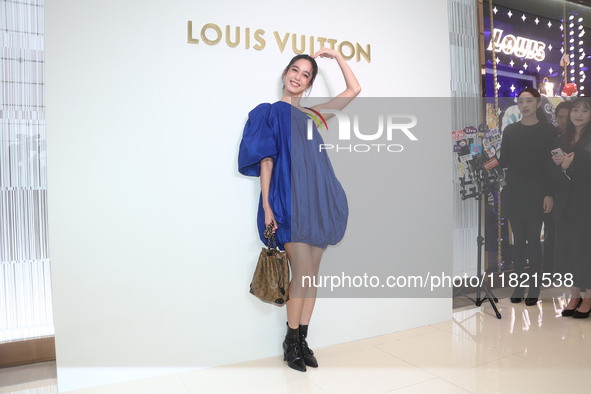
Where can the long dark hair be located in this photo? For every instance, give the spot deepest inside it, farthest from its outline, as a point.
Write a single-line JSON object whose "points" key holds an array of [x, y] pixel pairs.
{"points": [[563, 105], [308, 58], [540, 114], [567, 141]]}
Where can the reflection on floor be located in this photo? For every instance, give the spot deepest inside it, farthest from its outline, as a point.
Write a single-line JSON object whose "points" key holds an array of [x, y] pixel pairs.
{"points": [[37, 378], [467, 295], [530, 350]]}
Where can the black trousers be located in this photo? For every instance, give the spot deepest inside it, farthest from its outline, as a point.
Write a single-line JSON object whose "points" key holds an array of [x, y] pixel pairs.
{"points": [[526, 243], [549, 240]]}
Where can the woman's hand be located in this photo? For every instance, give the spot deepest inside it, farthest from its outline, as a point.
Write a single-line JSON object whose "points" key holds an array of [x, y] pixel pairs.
{"points": [[548, 204], [270, 218], [326, 52], [558, 159], [567, 160]]}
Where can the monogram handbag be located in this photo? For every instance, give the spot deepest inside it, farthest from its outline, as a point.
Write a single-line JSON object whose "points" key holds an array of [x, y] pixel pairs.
{"points": [[270, 282]]}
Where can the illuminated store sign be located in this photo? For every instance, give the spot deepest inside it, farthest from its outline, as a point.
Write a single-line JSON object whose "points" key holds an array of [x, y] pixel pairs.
{"points": [[526, 51], [520, 46]]}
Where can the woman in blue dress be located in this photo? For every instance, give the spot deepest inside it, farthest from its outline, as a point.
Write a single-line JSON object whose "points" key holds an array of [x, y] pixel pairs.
{"points": [[300, 194]]}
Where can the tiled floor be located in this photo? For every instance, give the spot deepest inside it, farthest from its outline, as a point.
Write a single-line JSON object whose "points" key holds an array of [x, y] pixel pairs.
{"points": [[530, 350]]}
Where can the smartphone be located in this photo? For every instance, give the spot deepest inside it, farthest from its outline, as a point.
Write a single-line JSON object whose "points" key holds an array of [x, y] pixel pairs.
{"points": [[557, 152]]}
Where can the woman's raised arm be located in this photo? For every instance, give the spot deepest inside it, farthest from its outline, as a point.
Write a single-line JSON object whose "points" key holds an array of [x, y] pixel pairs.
{"points": [[352, 85]]}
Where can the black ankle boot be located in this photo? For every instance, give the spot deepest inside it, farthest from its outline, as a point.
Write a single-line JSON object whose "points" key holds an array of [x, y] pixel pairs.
{"points": [[307, 353], [292, 352]]}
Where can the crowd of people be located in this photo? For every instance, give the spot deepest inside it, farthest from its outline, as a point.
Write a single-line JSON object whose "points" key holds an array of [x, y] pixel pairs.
{"points": [[548, 174]]}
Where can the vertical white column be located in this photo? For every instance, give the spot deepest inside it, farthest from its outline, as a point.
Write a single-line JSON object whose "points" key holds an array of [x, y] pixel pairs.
{"points": [[25, 292], [465, 87]]}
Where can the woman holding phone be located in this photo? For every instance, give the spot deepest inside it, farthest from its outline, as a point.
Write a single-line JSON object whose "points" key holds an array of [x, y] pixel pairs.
{"points": [[572, 212]]}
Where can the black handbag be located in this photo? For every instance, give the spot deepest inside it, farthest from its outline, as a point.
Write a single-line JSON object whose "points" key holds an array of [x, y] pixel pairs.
{"points": [[270, 282]]}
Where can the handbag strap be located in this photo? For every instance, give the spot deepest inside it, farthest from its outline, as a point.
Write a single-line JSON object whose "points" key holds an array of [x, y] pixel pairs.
{"points": [[270, 235]]}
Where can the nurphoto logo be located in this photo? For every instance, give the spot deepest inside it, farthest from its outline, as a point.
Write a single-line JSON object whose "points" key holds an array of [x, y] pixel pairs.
{"points": [[388, 124]]}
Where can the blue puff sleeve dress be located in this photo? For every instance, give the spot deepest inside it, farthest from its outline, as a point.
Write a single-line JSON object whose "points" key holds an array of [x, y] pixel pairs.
{"points": [[308, 201]]}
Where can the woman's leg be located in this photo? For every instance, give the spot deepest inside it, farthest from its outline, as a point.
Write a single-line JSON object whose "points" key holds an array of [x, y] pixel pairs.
{"points": [[549, 241], [303, 271], [585, 306], [563, 261], [305, 262], [534, 247], [582, 265], [310, 299], [575, 298], [534, 252], [563, 249], [519, 239], [299, 257]]}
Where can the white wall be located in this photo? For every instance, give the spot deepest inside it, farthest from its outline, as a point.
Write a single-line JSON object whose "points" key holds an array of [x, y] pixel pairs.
{"points": [[152, 230]]}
